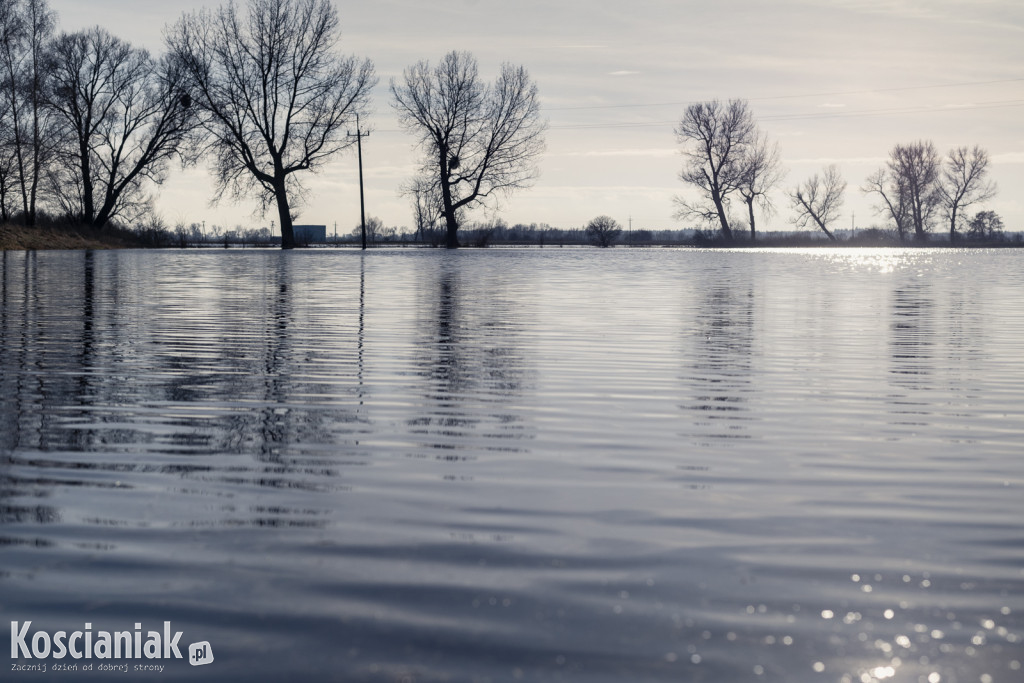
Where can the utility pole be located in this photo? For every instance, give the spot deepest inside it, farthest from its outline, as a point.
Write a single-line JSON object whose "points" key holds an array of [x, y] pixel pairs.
{"points": [[359, 135]]}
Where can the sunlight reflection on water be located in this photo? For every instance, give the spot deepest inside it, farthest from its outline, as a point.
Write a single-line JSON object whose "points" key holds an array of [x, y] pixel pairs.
{"points": [[771, 465]]}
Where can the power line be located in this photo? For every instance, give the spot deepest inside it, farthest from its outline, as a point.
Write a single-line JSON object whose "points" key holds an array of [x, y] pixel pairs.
{"points": [[816, 115], [790, 97], [359, 135]]}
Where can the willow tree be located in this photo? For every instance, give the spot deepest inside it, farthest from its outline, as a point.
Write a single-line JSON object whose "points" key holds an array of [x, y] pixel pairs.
{"points": [[479, 140], [274, 95]]}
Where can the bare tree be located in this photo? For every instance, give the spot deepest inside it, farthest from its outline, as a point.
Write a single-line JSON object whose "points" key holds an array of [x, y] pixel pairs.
{"points": [[375, 230], [762, 171], [915, 170], [123, 116], [716, 138], [426, 204], [25, 28], [479, 140], [819, 199], [891, 190], [275, 96], [603, 231], [964, 183]]}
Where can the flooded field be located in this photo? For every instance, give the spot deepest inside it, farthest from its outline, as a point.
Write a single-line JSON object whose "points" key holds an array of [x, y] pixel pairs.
{"points": [[540, 465]]}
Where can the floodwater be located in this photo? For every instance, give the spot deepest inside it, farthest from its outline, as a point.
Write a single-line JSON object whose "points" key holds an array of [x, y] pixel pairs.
{"points": [[540, 465]]}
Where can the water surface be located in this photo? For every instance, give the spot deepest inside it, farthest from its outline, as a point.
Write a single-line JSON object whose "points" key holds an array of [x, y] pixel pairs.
{"points": [[544, 465]]}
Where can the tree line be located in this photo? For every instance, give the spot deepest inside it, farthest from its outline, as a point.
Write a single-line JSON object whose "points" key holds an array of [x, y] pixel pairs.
{"points": [[727, 156], [89, 125]]}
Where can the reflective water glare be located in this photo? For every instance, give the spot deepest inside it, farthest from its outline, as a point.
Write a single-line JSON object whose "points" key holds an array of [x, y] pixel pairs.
{"points": [[578, 465]]}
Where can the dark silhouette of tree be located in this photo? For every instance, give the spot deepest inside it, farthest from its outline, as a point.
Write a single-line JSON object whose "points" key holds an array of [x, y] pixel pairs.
{"points": [[762, 171], [986, 225], [274, 95], [915, 170], [964, 183], [893, 194], [375, 230], [603, 231], [716, 138], [122, 115], [819, 199], [25, 28], [479, 140]]}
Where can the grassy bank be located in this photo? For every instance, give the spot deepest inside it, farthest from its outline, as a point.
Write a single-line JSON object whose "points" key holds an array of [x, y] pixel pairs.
{"points": [[19, 237]]}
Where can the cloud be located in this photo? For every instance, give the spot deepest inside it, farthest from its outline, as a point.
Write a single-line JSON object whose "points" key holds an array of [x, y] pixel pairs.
{"points": [[831, 105], [623, 73]]}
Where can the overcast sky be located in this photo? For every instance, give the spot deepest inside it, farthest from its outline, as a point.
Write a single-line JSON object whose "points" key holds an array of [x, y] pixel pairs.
{"points": [[833, 81]]}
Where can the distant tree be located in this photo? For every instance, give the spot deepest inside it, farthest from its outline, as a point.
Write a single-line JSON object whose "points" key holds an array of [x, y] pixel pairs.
{"points": [[893, 194], [964, 183], [986, 225], [640, 237], [426, 206], [122, 116], [819, 199], [762, 171], [603, 231], [716, 139], [374, 230], [479, 140], [25, 28], [915, 169], [274, 94]]}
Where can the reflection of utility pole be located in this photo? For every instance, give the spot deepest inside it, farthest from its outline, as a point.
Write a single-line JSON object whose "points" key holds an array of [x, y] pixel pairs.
{"points": [[359, 135]]}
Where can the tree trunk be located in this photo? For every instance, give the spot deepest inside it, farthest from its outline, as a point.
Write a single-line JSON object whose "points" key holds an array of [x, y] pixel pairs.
{"points": [[750, 211], [918, 215], [88, 207], [824, 229], [452, 238], [37, 143], [720, 207], [284, 215], [952, 225], [4, 217]]}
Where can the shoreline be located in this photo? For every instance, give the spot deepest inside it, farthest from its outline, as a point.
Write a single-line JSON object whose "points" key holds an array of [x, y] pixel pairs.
{"points": [[21, 238]]}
